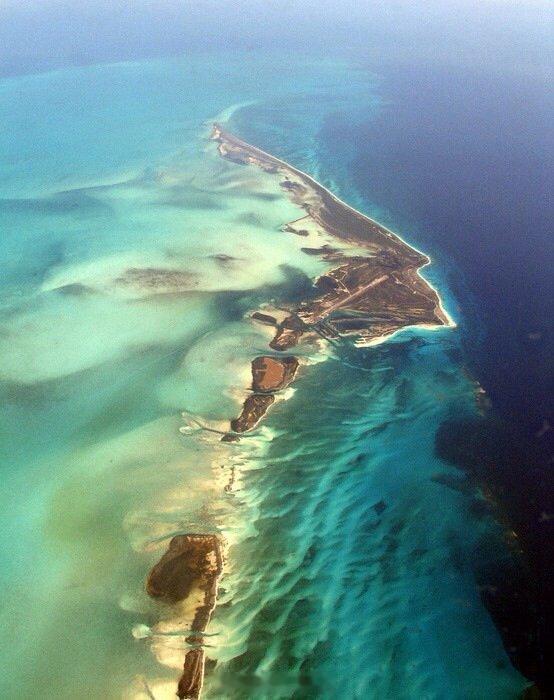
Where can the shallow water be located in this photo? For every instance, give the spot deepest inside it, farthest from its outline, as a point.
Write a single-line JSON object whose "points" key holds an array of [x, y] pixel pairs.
{"points": [[131, 253], [360, 571]]}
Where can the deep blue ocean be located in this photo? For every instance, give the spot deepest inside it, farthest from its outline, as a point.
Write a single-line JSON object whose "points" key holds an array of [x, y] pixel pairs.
{"points": [[375, 519]]}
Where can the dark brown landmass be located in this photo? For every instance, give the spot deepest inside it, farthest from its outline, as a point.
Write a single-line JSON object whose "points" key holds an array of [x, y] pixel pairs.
{"points": [[269, 375], [253, 410], [273, 373], [289, 332], [326, 251], [368, 296], [192, 562], [192, 678], [264, 318]]}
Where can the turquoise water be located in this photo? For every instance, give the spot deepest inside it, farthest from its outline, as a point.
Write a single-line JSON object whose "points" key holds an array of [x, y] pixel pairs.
{"points": [[116, 315]]}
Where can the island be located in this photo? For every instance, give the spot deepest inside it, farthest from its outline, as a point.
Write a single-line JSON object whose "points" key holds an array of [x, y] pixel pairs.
{"points": [[372, 289], [190, 569]]}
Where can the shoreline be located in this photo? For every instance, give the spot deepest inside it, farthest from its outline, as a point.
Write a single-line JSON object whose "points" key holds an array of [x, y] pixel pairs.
{"points": [[372, 296], [451, 323]]}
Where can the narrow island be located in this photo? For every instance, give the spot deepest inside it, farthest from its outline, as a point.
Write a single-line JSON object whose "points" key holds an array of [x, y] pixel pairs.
{"points": [[191, 567], [372, 290]]}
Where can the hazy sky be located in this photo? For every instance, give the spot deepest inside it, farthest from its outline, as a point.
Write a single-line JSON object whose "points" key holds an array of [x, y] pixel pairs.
{"points": [[44, 33]]}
